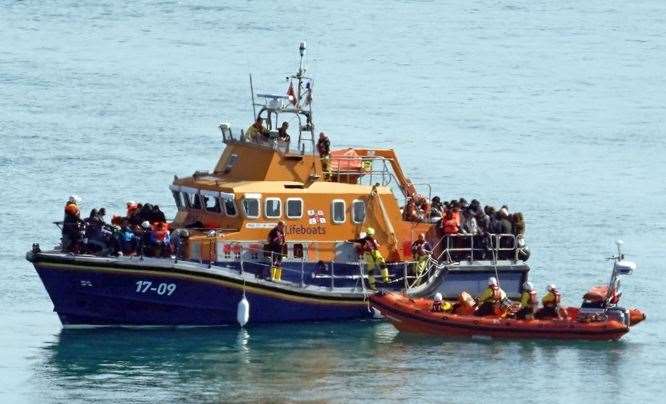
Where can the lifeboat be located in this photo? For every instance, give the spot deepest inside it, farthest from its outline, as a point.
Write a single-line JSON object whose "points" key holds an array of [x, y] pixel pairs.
{"points": [[211, 264], [416, 315], [599, 318]]}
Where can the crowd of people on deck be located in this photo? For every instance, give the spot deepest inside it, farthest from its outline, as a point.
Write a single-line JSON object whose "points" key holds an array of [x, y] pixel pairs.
{"points": [[143, 231], [458, 217], [493, 301]]}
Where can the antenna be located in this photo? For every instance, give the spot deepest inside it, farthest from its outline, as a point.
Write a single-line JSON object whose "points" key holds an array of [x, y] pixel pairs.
{"points": [[254, 108], [619, 243], [301, 50]]}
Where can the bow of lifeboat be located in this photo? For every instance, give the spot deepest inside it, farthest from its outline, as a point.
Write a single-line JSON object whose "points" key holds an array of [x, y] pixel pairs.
{"points": [[415, 315]]}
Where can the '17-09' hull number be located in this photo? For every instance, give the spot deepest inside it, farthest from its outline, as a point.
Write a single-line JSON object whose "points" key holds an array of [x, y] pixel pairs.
{"points": [[159, 288]]}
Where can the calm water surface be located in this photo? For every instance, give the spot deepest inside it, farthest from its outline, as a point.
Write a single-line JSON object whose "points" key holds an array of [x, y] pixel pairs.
{"points": [[555, 108]]}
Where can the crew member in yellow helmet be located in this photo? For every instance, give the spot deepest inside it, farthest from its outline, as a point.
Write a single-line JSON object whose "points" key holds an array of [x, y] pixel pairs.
{"points": [[372, 257]]}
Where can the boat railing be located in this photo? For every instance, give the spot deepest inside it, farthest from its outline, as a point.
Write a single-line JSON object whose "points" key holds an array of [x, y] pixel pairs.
{"points": [[256, 255], [477, 247], [373, 169]]}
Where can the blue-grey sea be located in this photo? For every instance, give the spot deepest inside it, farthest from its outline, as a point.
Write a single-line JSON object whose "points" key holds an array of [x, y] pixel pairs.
{"points": [[556, 108]]}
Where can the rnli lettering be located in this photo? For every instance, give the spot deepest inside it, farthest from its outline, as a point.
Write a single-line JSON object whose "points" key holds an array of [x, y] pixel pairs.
{"points": [[300, 229]]}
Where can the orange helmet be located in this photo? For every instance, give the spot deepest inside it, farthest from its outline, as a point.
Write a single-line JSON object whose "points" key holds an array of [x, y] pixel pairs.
{"points": [[72, 209]]}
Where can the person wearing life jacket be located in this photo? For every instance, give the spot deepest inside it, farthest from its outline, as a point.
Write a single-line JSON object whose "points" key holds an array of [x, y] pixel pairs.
{"points": [[373, 258], [439, 305], [256, 132], [529, 302], [450, 222], [421, 251], [324, 150], [160, 239], [551, 304], [127, 240], [144, 235], [276, 245], [490, 300], [72, 228]]}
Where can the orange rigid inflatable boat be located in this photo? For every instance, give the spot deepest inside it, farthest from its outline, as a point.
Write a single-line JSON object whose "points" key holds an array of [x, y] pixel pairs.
{"points": [[416, 315], [599, 317]]}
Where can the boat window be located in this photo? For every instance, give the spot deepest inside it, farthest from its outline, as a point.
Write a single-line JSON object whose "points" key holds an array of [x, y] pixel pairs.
{"points": [[176, 197], [229, 206], [212, 203], [187, 198], [233, 159], [273, 208], [338, 211], [197, 201], [251, 207], [298, 250], [358, 211], [294, 208]]}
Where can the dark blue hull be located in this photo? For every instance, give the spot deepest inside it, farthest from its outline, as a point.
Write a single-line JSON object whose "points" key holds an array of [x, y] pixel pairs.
{"points": [[85, 294]]}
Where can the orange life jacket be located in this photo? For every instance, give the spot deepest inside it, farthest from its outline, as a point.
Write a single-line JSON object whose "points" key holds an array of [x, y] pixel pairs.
{"points": [[451, 225]]}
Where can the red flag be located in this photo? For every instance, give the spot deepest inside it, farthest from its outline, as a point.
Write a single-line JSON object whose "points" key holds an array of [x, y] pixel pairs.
{"points": [[291, 94]]}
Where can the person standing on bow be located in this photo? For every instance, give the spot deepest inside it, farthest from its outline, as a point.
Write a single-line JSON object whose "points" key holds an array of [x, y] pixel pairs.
{"points": [[490, 300], [276, 244], [421, 251], [372, 257]]}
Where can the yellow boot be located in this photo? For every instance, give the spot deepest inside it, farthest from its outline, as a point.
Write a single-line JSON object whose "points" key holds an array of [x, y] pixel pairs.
{"points": [[278, 274], [273, 273]]}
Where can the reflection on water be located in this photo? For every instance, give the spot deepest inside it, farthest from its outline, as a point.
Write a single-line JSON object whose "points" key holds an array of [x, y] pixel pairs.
{"points": [[359, 360]]}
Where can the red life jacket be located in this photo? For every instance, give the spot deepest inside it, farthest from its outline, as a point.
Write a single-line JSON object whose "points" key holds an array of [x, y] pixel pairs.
{"points": [[369, 244]]}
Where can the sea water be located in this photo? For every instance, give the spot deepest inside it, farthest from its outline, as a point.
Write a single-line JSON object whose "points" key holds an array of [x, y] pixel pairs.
{"points": [[555, 108]]}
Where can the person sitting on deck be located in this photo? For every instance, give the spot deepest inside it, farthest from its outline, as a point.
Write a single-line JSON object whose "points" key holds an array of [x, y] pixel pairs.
{"points": [[276, 244], [256, 132], [490, 299], [528, 302], [411, 212], [551, 304], [421, 251], [436, 209], [439, 305], [282, 135], [160, 240], [128, 242], [324, 150], [372, 257]]}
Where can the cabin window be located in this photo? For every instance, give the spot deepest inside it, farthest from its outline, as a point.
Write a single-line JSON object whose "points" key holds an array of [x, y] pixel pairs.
{"points": [[229, 205], [179, 201], [338, 211], [358, 211], [273, 208], [212, 203], [187, 198], [197, 202], [294, 208], [251, 207], [233, 159], [298, 250]]}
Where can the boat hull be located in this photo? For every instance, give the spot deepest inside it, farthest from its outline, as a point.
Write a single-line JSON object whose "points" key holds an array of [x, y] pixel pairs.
{"points": [[410, 315], [103, 295]]}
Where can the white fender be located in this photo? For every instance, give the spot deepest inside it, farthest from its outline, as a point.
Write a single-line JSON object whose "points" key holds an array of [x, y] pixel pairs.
{"points": [[243, 312]]}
